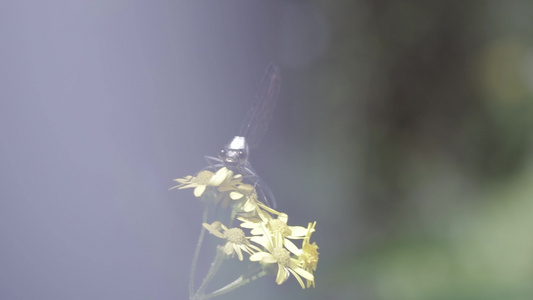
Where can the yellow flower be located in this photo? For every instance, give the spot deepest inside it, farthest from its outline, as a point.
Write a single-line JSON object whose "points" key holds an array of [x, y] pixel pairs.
{"points": [[236, 240], [229, 188], [249, 203], [225, 180], [245, 199], [276, 254], [198, 182], [279, 231], [309, 256], [206, 178]]}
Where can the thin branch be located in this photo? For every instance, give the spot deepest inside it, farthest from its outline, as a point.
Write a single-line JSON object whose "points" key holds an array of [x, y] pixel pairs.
{"points": [[197, 253]]}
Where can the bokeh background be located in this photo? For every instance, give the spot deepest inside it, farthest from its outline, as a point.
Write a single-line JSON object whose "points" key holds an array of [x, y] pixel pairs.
{"points": [[404, 128]]}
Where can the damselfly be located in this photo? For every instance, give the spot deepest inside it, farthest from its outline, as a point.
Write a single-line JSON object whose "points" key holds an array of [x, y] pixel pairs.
{"points": [[234, 155]]}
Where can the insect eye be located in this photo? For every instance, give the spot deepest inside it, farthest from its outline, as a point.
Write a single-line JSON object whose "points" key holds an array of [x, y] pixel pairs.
{"points": [[241, 153], [222, 152]]}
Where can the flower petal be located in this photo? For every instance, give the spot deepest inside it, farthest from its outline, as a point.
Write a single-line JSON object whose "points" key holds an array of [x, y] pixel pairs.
{"points": [[298, 278], [235, 195], [238, 250], [220, 176], [304, 274], [213, 230], [283, 217], [261, 240], [264, 257], [298, 230], [292, 247], [282, 275], [228, 248], [199, 190]]}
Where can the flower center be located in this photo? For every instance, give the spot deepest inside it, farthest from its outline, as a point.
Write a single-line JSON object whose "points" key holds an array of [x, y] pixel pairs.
{"points": [[310, 255], [203, 177], [282, 256], [278, 227], [235, 235]]}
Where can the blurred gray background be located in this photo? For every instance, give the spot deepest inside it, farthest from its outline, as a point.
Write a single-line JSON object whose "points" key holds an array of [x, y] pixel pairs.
{"points": [[404, 128]]}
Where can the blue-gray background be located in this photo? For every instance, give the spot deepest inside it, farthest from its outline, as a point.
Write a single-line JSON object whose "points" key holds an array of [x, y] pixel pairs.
{"points": [[403, 129]]}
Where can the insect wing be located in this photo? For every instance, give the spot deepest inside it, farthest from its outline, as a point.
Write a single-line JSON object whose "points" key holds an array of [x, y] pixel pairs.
{"points": [[258, 117]]}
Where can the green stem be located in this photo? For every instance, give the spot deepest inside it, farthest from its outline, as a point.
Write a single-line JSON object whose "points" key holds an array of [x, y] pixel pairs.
{"points": [[233, 285], [197, 253], [215, 266]]}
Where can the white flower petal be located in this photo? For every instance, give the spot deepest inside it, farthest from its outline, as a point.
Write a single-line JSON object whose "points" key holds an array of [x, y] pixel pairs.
{"points": [[219, 177], [261, 240], [235, 195], [292, 247], [228, 248], [283, 217], [298, 231], [213, 230], [305, 274], [199, 190], [282, 275], [238, 250], [298, 278], [259, 256]]}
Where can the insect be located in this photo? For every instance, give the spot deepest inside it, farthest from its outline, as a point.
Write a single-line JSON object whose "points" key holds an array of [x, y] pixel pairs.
{"points": [[234, 155]]}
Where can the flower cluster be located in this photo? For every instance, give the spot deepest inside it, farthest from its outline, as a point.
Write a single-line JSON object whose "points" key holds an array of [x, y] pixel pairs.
{"points": [[263, 233]]}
